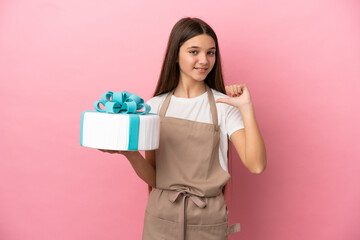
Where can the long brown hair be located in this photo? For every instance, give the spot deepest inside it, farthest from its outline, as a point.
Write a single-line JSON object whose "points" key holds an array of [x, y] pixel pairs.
{"points": [[182, 31]]}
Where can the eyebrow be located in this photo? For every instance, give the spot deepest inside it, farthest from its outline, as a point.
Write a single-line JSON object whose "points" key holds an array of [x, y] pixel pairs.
{"points": [[199, 47]]}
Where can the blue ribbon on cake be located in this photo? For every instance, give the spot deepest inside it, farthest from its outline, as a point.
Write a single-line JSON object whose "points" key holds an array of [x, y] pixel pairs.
{"points": [[125, 103], [121, 102]]}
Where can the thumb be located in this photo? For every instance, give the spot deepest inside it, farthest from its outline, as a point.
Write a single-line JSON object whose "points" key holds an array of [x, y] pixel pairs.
{"points": [[222, 100]]}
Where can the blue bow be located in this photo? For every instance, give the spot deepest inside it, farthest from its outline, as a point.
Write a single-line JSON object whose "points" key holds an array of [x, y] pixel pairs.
{"points": [[121, 102]]}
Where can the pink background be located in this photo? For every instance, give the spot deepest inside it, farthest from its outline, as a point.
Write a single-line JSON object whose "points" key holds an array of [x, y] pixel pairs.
{"points": [[300, 60]]}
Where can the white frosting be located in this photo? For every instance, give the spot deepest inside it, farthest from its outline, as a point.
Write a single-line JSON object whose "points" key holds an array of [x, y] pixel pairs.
{"points": [[111, 131]]}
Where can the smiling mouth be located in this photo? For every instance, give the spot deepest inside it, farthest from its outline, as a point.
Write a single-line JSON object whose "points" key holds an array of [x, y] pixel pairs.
{"points": [[201, 68]]}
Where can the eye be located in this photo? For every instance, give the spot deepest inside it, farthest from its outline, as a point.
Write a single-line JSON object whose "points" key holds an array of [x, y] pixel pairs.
{"points": [[211, 53], [193, 52]]}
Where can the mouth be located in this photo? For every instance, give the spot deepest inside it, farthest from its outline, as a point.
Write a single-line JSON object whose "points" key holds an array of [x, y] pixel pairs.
{"points": [[200, 69]]}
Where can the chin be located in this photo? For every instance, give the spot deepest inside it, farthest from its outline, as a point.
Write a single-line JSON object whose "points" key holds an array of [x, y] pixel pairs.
{"points": [[199, 79]]}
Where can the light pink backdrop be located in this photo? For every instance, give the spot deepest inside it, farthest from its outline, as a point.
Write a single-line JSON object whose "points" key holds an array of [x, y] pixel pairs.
{"points": [[300, 59]]}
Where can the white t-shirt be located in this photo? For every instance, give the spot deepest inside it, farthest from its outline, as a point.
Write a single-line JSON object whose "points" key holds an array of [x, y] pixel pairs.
{"points": [[198, 109]]}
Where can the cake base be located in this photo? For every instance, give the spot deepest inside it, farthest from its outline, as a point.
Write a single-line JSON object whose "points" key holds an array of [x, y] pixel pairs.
{"points": [[112, 131]]}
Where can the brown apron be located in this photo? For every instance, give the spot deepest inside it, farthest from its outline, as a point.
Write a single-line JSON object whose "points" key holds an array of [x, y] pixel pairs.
{"points": [[188, 202]]}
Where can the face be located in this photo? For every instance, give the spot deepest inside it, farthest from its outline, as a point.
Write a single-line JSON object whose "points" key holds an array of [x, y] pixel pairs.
{"points": [[197, 58]]}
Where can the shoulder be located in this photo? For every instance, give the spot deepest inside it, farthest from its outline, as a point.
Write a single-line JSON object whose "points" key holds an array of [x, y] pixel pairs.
{"points": [[225, 109], [156, 102]]}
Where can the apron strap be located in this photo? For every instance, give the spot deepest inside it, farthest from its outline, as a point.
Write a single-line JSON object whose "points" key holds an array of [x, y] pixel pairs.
{"points": [[165, 104], [212, 107], [233, 228]]}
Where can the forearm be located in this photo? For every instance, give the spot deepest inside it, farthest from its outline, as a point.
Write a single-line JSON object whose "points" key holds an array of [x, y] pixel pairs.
{"points": [[255, 152], [142, 167]]}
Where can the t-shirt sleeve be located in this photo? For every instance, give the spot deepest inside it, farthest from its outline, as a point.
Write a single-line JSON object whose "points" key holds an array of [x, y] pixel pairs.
{"points": [[152, 103], [233, 121], [155, 103]]}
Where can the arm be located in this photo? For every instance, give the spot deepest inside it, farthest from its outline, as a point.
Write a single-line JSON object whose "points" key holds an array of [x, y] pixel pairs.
{"points": [[150, 157], [248, 141], [144, 167]]}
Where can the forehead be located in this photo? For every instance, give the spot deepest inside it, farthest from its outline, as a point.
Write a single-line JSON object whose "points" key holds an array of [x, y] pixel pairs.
{"points": [[202, 41]]}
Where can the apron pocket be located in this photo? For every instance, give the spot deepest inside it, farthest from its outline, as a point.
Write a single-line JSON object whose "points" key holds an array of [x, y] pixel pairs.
{"points": [[159, 229], [207, 232]]}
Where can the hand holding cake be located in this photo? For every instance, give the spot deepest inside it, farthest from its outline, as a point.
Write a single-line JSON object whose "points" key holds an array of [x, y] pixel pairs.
{"points": [[125, 153]]}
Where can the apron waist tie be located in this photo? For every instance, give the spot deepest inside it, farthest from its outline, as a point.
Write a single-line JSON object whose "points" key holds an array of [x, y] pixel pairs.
{"points": [[182, 217], [233, 229]]}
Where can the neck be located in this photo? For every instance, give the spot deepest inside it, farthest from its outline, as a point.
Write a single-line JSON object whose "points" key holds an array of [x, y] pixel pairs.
{"points": [[189, 89]]}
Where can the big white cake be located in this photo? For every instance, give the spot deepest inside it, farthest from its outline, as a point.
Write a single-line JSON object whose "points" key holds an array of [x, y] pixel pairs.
{"points": [[112, 131]]}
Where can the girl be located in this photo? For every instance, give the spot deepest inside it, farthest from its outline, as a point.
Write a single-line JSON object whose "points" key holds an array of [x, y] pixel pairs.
{"points": [[188, 173]]}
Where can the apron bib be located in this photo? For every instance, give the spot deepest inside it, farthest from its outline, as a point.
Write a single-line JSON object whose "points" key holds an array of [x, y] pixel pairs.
{"points": [[188, 202]]}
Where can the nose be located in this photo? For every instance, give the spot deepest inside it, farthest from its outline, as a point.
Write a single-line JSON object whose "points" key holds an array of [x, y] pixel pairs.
{"points": [[203, 59]]}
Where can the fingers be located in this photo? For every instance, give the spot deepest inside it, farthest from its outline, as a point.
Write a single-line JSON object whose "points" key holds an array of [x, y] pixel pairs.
{"points": [[235, 90], [110, 151]]}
